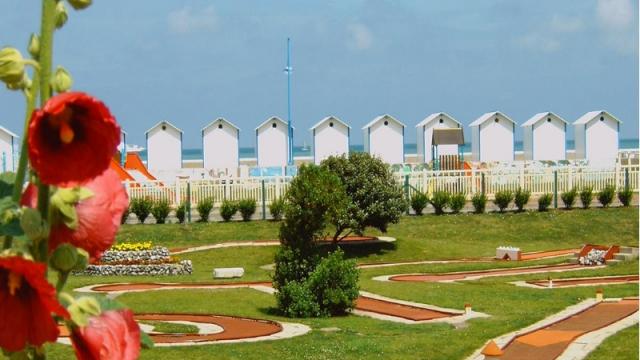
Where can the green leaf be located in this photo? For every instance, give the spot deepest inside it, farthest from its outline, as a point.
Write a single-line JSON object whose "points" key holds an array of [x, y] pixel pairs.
{"points": [[9, 220], [6, 183], [32, 224], [145, 340]]}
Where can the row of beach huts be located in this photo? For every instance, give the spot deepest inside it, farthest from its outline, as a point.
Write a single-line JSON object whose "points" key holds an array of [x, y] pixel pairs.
{"points": [[492, 137]]}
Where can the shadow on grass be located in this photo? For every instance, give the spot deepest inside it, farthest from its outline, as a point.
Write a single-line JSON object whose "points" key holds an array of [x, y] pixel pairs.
{"points": [[354, 251]]}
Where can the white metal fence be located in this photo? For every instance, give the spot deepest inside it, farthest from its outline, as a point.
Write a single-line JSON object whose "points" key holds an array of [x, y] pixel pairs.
{"points": [[468, 182]]}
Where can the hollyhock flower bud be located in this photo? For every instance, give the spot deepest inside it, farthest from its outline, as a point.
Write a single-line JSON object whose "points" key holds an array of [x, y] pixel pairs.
{"points": [[11, 66], [61, 15], [34, 46], [72, 139], [112, 335], [61, 80], [98, 217], [80, 4], [64, 258], [27, 302]]}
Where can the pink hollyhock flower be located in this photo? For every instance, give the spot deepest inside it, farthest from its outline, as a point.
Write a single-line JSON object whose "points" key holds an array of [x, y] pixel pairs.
{"points": [[112, 335], [72, 139], [98, 216], [27, 302]]}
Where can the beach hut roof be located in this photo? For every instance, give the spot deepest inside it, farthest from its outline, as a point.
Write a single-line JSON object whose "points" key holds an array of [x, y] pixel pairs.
{"points": [[479, 121], [273, 118], [2, 128], [592, 115], [434, 116], [540, 116], [447, 137], [223, 120], [163, 122], [381, 117], [327, 119]]}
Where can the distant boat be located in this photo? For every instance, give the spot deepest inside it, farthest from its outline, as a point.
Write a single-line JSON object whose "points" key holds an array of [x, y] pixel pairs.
{"points": [[131, 148]]}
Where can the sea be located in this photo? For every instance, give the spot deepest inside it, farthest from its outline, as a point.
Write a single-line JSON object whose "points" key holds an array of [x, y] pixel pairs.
{"points": [[249, 152]]}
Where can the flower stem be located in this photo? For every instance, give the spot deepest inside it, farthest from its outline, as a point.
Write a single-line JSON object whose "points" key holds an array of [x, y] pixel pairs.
{"points": [[62, 280], [31, 96], [47, 27]]}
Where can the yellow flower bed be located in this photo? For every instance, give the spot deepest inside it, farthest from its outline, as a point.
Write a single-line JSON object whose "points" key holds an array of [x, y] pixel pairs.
{"points": [[139, 246]]}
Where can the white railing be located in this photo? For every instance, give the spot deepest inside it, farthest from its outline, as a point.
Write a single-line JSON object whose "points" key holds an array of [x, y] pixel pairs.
{"points": [[468, 182]]}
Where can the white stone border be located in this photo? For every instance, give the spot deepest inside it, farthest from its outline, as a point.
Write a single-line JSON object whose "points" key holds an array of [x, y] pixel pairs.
{"points": [[459, 315], [534, 286], [543, 269], [503, 340]]}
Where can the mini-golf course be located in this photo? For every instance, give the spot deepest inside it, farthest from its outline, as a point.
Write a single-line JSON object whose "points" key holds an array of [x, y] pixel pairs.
{"points": [[575, 282], [560, 338]]}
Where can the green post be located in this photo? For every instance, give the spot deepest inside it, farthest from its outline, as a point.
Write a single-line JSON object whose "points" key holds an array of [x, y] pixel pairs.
{"points": [[406, 190], [555, 189], [482, 182], [264, 205], [188, 201], [626, 179]]}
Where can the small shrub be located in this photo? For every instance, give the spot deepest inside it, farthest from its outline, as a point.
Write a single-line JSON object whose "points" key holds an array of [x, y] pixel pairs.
{"points": [[419, 201], [296, 300], [247, 208], [457, 202], [503, 199], [160, 211], [142, 208], [181, 211], [586, 196], [125, 215], [521, 198], [544, 201], [479, 201], [228, 209], [625, 197], [334, 284], [605, 197], [204, 209], [569, 198], [439, 201], [276, 209]]}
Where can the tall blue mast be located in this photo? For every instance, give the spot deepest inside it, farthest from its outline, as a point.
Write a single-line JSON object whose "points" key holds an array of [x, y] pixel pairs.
{"points": [[288, 70]]}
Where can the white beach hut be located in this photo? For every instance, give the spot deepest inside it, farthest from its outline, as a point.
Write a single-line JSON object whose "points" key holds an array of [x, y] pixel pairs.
{"points": [[492, 137], [544, 137], [272, 143], [8, 149], [425, 131], [384, 138], [220, 145], [164, 147], [596, 136], [331, 136]]}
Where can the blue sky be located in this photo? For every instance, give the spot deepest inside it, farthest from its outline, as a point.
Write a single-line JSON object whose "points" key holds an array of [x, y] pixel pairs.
{"points": [[192, 61]]}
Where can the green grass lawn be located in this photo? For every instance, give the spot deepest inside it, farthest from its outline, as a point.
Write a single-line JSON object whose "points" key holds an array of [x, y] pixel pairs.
{"points": [[419, 238]]}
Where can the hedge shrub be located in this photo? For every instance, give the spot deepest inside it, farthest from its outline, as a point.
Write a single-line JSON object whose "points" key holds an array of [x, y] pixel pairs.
{"points": [[457, 202], [276, 209], [125, 214], [247, 208], [521, 198], [569, 198], [181, 211], [503, 199], [544, 201], [204, 209], [586, 196], [625, 197], [605, 197], [334, 284], [228, 209], [142, 208], [419, 201], [479, 201], [440, 200], [160, 211]]}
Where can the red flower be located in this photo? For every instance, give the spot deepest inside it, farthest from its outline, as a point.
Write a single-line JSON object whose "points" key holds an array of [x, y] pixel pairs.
{"points": [[112, 335], [98, 216], [72, 139], [27, 301]]}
